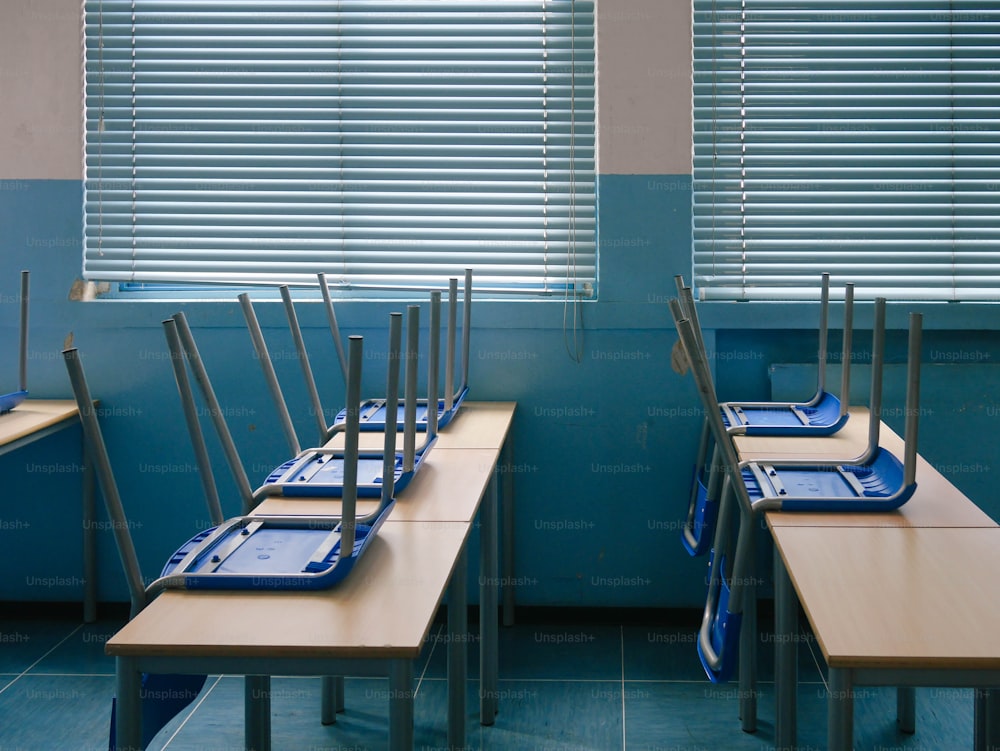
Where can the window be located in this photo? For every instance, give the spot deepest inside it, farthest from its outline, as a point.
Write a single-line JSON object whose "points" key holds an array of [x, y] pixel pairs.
{"points": [[383, 142], [861, 139]]}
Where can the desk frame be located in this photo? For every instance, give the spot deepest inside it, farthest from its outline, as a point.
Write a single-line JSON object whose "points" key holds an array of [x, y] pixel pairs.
{"points": [[843, 680], [58, 415], [380, 662], [921, 510], [478, 427], [135, 655]]}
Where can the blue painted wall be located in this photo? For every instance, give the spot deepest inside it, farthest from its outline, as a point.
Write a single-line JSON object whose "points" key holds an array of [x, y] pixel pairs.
{"points": [[603, 445]]}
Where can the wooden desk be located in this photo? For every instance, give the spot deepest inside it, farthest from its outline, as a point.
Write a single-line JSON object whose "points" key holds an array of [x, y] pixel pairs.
{"points": [[935, 503], [375, 622], [453, 485], [476, 425], [448, 487], [457, 476], [488, 425], [33, 420], [897, 606]]}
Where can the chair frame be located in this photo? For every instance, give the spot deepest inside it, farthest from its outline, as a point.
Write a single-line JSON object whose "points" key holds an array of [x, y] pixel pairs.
{"points": [[373, 412], [730, 566], [706, 482], [286, 479]]}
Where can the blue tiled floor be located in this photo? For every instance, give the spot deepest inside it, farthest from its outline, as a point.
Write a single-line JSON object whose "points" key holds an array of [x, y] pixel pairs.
{"points": [[565, 685]]}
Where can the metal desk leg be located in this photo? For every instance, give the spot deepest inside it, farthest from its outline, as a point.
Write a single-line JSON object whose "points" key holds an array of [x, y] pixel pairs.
{"points": [[992, 710], [980, 720], [401, 705], [748, 656], [906, 709], [987, 720], [786, 657], [332, 698], [507, 507], [257, 712], [89, 539], [458, 632], [128, 705], [840, 711], [488, 624]]}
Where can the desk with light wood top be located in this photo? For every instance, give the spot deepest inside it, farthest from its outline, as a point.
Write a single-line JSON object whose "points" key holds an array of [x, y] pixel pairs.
{"points": [[375, 622], [850, 441], [449, 486], [456, 482], [33, 420], [488, 425], [935, 503], [897, 606]]}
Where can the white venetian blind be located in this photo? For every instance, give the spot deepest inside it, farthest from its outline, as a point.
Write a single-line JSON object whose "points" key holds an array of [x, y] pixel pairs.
{"points": [[382, 142], [859, 138]]}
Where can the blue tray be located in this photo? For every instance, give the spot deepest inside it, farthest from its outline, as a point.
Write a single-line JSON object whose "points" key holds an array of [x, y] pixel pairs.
{"points": [[822, 418], [271, 553], [11, 400], [373, 413], [876, 485], [316, 474]]}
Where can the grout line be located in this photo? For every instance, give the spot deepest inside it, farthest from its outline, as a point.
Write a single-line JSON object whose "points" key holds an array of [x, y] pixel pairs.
{"points": [[191, 712], [427, 664], [36, 662], [816, 661]]}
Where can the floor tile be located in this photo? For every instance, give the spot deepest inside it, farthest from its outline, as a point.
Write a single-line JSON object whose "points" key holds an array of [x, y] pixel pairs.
{"points": [[26, 641], [71, 712], [82, 650]]}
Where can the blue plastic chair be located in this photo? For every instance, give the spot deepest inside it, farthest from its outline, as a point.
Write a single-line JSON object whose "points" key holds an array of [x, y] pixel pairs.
{"points": [[373, 412], [874, 481], [10, 400], [318, 471], [307, 552], [823, 414], [164, 696], [184, 350]]}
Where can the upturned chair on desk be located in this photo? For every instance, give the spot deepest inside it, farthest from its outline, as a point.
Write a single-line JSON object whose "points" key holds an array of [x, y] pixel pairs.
{"points": [[822, 414], [313, 548], [303, 474], [184, 350], [874, 481], [308, 552], [373, 412], [173, 692]]}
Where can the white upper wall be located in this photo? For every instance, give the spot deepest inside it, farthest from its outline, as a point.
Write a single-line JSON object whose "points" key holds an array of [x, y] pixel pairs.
{"points": [[40, 90], [644, 88]]}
